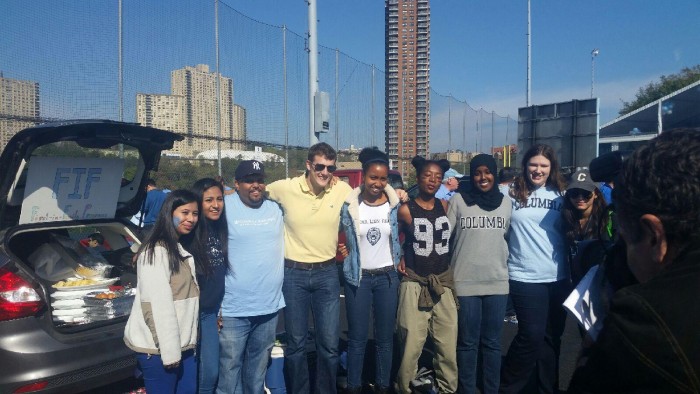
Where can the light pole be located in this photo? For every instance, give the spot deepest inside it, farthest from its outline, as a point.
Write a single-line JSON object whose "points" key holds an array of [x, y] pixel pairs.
{"points": [[594, 53]]}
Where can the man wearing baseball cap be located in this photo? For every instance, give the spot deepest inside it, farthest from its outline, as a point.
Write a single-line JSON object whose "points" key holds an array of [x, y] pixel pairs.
{"points": [[449, 185], [253, 294]]}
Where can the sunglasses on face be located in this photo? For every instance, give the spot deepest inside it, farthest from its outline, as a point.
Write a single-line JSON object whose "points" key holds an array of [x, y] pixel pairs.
{"points": [[320, 167], [577, 193]]}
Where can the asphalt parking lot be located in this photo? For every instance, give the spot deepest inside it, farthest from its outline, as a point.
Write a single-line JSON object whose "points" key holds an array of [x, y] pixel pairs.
{"points": [[569, 352]]}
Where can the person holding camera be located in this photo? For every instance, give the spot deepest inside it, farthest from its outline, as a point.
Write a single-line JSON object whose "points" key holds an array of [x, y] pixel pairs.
{"points": [[646, 342]]}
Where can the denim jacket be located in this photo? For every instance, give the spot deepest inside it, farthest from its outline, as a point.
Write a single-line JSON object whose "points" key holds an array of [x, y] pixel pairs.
{"points": [[350, 224]]}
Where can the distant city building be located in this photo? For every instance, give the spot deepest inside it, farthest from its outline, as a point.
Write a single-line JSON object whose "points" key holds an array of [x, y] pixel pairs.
{"points": [[162, 111], [241, 155], [407, 61], [19, 107], [239, 127], [191, 108], [453, 156]]}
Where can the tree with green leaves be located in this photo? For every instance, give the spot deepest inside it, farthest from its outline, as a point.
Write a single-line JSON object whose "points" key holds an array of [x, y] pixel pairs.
{"points": [[667, 84]]}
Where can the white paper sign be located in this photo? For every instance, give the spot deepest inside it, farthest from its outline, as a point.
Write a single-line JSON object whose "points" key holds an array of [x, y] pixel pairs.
{"points": [[67, 188]]}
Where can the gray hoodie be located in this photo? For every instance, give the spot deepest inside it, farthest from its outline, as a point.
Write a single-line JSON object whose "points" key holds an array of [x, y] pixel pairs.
{"points": [[480, 251]]}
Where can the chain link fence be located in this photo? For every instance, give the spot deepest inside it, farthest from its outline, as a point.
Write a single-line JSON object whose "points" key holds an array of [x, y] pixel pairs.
{"points": [[80, 60]]}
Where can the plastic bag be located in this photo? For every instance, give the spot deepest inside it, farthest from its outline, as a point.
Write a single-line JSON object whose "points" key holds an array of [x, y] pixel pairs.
{"points": [[49, 264]]}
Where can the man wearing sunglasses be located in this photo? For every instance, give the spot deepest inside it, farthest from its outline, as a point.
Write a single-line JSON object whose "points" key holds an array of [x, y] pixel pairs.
{"points": [[311, 204]]}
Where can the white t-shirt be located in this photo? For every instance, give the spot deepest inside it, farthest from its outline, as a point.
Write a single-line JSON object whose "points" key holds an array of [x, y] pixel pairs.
{"points": [[375, 236]]}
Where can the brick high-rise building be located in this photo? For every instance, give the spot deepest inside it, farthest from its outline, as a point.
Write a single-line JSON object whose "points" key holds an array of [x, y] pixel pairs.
{"points": [[407, 61], [19, 107]]}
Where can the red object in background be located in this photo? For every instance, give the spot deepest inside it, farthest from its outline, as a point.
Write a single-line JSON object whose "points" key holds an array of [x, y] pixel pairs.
{"points": [[28, 388], [341, 240]]}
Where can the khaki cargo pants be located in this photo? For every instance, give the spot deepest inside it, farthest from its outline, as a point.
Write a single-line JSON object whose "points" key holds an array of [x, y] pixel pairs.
{"points": [[413, 327]]}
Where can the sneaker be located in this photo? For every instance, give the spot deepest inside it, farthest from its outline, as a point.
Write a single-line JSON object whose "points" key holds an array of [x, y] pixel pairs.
{"points": [[513, 319]]}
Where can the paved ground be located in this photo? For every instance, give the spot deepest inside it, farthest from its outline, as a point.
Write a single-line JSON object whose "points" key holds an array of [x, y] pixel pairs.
{"points": [[569, 352]]}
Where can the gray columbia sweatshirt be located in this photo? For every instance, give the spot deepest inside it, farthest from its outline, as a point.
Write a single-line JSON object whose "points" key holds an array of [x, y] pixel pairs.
{"points": [[480, 251]]}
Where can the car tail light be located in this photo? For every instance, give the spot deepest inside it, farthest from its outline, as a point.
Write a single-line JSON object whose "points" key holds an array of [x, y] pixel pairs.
{"points": [[28, 388], [17, 297]]}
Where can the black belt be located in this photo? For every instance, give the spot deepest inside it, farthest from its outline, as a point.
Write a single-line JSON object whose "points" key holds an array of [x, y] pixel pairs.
{"points": [[378, 271], [309, 266]]}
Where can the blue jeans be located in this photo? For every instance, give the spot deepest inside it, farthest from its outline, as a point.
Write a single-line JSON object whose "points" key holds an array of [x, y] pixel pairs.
{"points": [[319, 289], [208, 352], [245, 346], [381, 291], [541, 319], [158, 380], [480, 323]]}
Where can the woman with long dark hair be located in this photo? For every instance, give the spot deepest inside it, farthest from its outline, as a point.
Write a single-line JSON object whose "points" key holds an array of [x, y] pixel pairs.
{"points": [[538, 271], [585, 219], [162, 326], [480, 218], [427, 302], [369, 219], [213, 234]]}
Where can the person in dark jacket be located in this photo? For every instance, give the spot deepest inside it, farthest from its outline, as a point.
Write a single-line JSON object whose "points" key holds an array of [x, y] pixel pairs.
{"points": [[213, 233], [151, 206], [647, 343]]}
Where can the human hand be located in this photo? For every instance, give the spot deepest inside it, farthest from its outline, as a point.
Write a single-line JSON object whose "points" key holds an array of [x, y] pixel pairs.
{"points": [[402, 267], [343, 250], [403, 196]]}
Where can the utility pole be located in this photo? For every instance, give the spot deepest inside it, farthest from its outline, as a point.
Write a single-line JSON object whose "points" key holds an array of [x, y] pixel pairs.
{"points": [[313, 69], [594, 53]]}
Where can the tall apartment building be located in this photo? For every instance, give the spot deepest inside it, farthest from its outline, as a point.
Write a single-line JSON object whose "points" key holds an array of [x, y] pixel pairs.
{"points": [[162, 111], [191, 108], [239, 128], [407, 64], [19, 107]]}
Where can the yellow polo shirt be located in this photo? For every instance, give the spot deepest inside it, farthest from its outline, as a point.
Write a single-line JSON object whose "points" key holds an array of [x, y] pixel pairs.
{"points": [[311, 222]]}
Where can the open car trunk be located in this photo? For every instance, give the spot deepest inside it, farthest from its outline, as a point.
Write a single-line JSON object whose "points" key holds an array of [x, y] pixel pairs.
{"points": [[82, 283], [65, 197]]}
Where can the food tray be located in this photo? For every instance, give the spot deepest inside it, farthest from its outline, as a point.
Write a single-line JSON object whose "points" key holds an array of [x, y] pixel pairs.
{"points": [[98, 271], [108, 310], [75, 295], [97, 284], [105, 316], [120, 299]]}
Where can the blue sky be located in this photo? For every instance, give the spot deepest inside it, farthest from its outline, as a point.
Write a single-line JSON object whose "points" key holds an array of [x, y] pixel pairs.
{"points": [[478, 55], [479, 47]]}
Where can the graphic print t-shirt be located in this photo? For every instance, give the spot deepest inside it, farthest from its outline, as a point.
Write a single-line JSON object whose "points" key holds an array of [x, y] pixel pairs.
{"points": [[375, 236]]}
